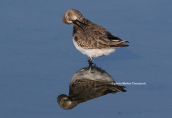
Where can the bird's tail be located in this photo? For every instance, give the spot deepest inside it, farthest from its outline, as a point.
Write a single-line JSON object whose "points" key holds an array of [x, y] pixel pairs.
{"points": [[118, 44]]}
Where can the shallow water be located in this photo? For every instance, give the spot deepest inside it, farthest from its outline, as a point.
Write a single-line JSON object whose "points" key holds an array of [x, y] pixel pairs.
{"points": [[38, 58]]}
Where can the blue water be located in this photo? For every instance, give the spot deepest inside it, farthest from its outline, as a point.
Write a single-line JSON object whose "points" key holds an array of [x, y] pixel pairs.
{"points": [[38, 58]]}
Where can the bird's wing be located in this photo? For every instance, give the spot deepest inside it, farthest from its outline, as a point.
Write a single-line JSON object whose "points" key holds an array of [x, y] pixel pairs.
{"points": [[110, 36], [97, 40]]}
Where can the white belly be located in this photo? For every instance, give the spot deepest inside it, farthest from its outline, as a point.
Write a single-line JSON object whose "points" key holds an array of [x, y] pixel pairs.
{"points": [[94, 53]]}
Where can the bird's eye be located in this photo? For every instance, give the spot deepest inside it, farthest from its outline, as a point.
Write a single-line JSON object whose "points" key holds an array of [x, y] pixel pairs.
{"points": [[67, 17], [62, 100]]}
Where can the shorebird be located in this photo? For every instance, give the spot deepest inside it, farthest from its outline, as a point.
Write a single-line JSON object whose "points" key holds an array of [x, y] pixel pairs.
{"points": [[86, 85], [90, 38]]}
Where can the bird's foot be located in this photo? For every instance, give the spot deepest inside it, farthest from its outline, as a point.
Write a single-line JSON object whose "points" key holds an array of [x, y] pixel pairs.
{"points": [[90, 61]]}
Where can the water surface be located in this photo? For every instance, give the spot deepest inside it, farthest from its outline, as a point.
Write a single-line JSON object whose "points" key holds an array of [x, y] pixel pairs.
{"points": [[38, 58]]}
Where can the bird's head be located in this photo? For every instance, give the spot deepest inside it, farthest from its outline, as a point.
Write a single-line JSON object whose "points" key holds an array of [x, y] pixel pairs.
{"points": [[71, 16]]}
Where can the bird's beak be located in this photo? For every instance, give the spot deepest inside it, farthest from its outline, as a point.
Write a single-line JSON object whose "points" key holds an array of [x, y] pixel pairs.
{"points": [[75, 22], [80, 22]]}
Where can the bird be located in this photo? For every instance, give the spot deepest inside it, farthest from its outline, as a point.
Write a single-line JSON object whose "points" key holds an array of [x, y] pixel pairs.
{"points": [[86, 85], [90, 38]]}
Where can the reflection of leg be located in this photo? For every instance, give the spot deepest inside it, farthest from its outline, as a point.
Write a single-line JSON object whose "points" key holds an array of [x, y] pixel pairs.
{"points": [[90, 63]]}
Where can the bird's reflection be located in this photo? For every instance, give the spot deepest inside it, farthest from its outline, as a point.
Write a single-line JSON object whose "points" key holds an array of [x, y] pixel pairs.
{"points": [[87, 84]]}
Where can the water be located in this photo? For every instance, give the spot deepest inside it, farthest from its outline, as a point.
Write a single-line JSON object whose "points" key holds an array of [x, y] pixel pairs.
{"points": [[38, 58]]}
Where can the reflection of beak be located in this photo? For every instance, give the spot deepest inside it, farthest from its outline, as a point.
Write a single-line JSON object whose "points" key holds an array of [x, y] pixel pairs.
{"points": [[73, 98]]}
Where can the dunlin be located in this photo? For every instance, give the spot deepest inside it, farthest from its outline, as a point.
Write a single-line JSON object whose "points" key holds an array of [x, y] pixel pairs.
{"points": [[90, 38]]}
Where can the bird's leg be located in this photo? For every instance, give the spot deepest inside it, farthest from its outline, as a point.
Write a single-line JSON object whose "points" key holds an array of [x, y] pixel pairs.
{"points": [[90, 61], [90, 64]]}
